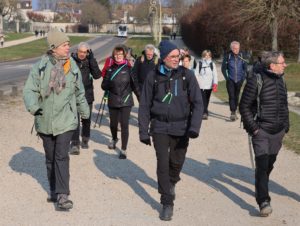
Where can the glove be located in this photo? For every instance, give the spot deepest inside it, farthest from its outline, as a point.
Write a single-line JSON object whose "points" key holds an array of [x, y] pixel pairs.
{"points": [[193, 134], [38, 112], [215, 88], [146, 141], [90, 54]]}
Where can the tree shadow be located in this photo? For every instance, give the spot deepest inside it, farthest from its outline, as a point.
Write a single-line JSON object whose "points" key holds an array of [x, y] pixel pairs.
{"points": [[218, 116], [217, 172], [31, 162], [128, 172]]}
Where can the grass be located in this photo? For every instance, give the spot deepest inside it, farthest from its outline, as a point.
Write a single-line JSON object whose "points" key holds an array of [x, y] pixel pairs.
{"points": [[292, 77], [16, 36], [292, 138], [138, 44], [32, 49]]}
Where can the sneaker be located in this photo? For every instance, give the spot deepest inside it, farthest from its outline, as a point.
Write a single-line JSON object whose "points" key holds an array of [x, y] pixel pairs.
{"points": [[63, 202], [123, 154], [75, 150], [52, 197], [205, 116], [84, 145], [112, 144], [265, 209], [166, 213], [233, 116]]}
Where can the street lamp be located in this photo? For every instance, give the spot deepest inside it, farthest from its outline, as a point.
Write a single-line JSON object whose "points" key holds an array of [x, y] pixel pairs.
{"points": [[156, 23]]}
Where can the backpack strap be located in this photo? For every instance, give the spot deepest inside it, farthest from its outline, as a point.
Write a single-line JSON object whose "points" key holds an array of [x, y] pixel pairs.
{"points": [[259, 87], [200, 66], [211, 66]]}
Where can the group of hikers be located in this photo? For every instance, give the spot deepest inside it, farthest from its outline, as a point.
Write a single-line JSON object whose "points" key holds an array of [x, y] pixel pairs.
{"points": [[173, 91]]}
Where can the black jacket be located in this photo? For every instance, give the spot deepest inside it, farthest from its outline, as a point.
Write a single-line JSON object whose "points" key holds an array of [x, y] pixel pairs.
{"points": [[274, 113], [120, 86], [89, 71], [176, 116], [142, 67]]}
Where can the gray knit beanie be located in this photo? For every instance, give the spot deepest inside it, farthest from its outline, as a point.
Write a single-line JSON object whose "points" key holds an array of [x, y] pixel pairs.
{"points": [[55, 38]]}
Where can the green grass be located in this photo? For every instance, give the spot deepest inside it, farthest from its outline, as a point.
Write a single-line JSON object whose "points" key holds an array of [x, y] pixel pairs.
{"points": [[32, 49], [222, 91], [292, 138], [292, 77], [138, 44], [15, 36]]}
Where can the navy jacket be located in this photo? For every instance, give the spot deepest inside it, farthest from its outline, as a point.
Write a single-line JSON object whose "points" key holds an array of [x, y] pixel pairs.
{"points": [[234, 67], [175, 114]]}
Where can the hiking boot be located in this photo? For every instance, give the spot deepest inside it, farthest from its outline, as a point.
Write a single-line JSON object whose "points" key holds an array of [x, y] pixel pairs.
{"points": [[166, 213], [265, 209], [123, 154], [52, 197], [75, 150], [63, 202], [84, 145], [172, 190], [205, 116], [112, 144], [233, 116]]}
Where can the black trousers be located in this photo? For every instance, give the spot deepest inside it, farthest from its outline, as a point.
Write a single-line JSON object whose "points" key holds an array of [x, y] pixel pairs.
{"points": [[233, 90], [120, 115], [86, 128], [57, 161], [170, 154], [206, 97]]}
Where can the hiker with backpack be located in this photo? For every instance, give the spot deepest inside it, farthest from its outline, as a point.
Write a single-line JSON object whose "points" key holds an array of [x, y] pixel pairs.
{"points": [[89, 68], [144, 64], [119, 83], [171, 104], [54, 93], [265, 115], [207, 77], [234, 68]]}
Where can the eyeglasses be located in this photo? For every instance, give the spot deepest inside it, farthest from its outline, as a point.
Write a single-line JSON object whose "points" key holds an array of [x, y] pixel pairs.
{"points": [[174, 57], [119, 54], [283, 63]]}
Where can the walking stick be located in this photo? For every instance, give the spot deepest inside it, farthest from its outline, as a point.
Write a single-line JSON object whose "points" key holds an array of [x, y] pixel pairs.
{"points": [[251, 151], [103, 106], [99, 110]]}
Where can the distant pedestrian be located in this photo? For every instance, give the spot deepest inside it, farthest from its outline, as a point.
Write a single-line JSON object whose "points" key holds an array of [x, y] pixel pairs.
{"points": [[234, 69], [174, 35], [193, 62], [119, 83], [207, 77], [186, 61], [53, 93], [171, 105], [265, 115], [44, 32], [36, 32], [41, 33], [2, 40], [89, 68]]}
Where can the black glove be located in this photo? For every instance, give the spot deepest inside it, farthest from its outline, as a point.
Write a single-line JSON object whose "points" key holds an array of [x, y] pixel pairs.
{"points": [[38, 112], [90, 54], [146, 141], [193, 134]]}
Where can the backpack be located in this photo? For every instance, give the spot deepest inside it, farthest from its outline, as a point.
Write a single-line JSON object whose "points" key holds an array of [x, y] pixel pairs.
{"points": [[210, 65]]}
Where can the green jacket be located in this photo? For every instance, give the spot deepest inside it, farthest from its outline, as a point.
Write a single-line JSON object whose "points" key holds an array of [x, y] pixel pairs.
{"points": [[59, 110]]}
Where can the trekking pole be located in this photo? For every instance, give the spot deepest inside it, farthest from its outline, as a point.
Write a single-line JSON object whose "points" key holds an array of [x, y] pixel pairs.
{"points": [[251, 151], [99, 111], [103, 106]]}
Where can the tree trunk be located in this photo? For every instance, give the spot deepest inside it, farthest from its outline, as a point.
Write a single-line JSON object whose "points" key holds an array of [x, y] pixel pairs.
{"points": [[299, 50], [274, 33], [1, 24]]}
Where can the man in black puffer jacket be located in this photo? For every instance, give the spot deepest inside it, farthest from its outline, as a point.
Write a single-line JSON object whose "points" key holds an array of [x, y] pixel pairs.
{"points": [[89, 70], [266, 122], [171, 103]]}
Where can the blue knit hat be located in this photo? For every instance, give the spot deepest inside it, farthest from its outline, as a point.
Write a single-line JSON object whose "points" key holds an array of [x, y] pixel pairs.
{"points": [[165, 47]]}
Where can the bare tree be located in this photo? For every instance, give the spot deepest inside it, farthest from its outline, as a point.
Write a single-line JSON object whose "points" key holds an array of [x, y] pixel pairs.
{"points": [[265, 14], [7, 8], [94, 13], [141, 11]]}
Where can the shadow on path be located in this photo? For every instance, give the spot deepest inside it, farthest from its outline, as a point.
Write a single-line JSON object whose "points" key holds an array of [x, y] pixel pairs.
{"points": [[128, 172], [216, 173], [31, 162]]}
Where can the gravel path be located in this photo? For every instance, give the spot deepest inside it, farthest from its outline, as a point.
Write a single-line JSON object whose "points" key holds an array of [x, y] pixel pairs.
{"points": [[217, 186]]}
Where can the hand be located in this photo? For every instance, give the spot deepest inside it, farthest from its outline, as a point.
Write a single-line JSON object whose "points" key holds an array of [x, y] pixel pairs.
{"points": [[215, 88], [90, 54], [38, 112], [146, 141], [255, 132], [193, 134]]}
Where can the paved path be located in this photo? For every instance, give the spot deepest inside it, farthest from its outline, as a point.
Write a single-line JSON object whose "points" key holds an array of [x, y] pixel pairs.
{"points": [[21, 41]]}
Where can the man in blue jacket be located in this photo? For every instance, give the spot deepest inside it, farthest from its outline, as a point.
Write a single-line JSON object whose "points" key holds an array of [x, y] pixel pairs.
{"points": [[234, 69], [171, 103]]}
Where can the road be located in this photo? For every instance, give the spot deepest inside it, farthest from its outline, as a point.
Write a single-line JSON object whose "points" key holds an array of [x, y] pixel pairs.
{"points": [[16, 72]]}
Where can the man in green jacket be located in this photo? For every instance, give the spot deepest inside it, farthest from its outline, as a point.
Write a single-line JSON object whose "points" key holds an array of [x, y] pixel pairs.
{"points": [[53, 93]]}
